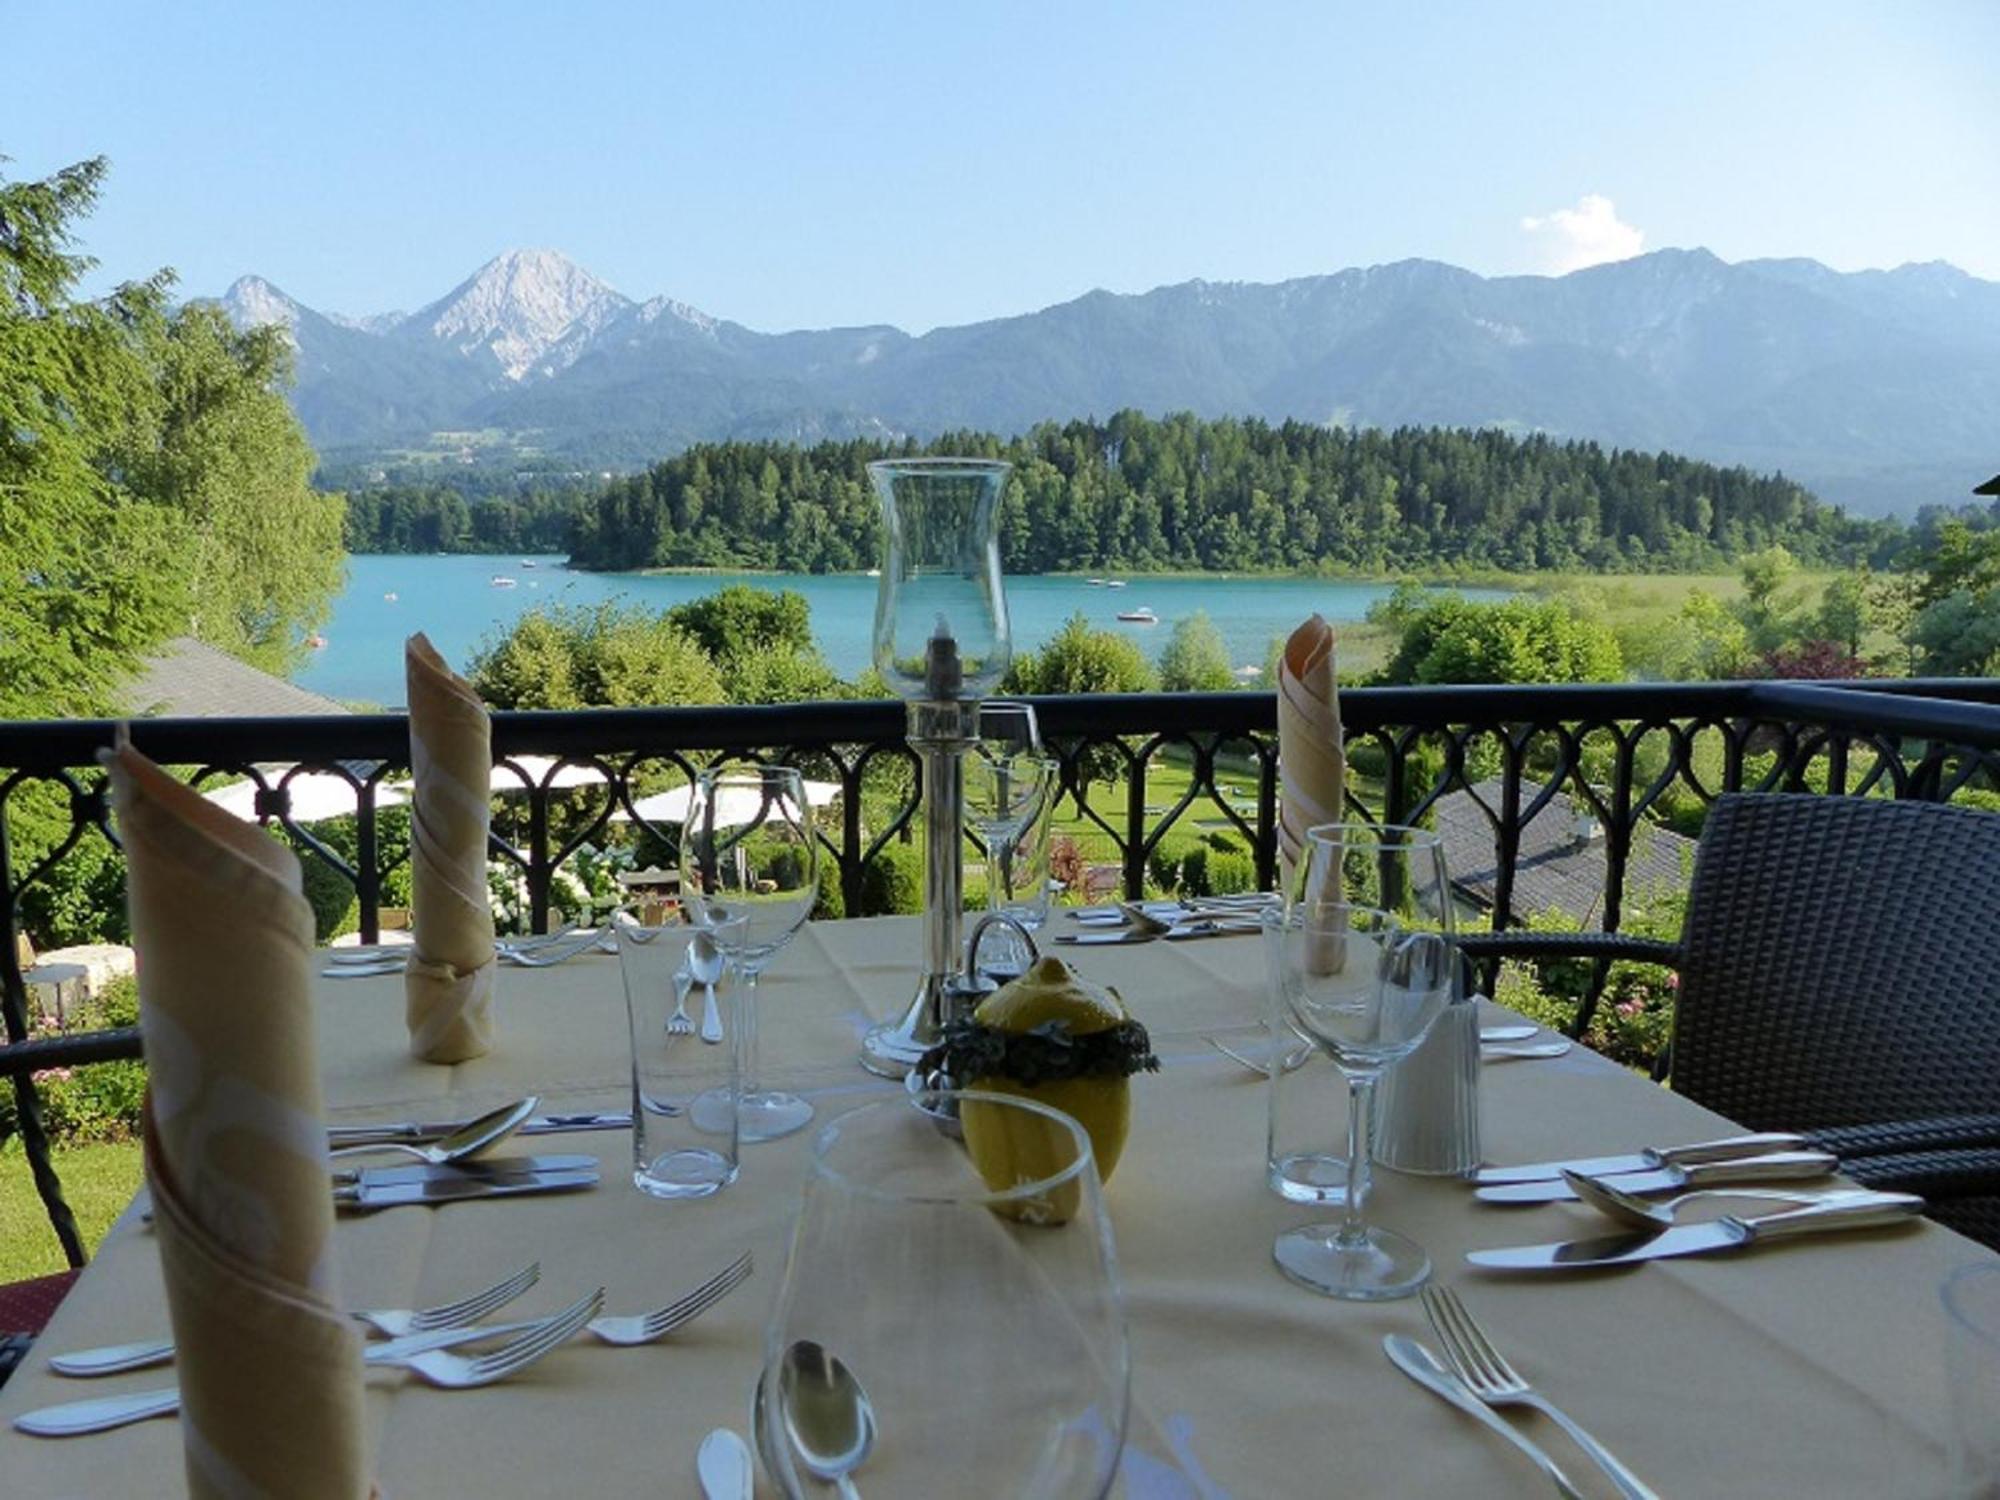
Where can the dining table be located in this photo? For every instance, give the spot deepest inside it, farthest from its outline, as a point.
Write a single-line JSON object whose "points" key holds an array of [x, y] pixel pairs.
{"points": [[1813, 1367]]}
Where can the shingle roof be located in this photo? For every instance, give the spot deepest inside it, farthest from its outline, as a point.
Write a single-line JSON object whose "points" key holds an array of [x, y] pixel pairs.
{"points": [[1553, 870], [187, 679], [1991, 487]]}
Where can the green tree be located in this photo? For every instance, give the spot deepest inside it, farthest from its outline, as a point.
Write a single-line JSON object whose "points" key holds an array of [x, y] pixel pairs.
{"points": [[1773, 610], [1195, 660], [740, 621], [1703, 641], [1846, 611], [1081, 660], [90, 571], [1519, 641], [598, 657], [228, 454]]}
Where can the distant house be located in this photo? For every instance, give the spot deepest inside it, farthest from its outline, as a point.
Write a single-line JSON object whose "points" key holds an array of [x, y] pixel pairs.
{"points": [[1561, 865], [1991, 487], [187, 679]]}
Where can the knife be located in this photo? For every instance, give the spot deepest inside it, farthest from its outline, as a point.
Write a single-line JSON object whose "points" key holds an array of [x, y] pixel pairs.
{"points": [[399, 1194], [1857, 1210], [1783, 1166], [479, 1169], [1648, 1159], [415, 1130], [1204, 927], [724, 1465], [1422, 1366]]}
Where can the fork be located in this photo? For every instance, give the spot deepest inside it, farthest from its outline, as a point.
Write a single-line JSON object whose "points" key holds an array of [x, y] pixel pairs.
{"points": [[1487, 1374], [116, 1359], [643, 1328], [396, 1322], [433, 1366], [678, 1023]]}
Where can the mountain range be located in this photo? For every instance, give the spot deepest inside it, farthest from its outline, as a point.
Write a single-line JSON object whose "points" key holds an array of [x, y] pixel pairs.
{"points": [[1879, 389]]}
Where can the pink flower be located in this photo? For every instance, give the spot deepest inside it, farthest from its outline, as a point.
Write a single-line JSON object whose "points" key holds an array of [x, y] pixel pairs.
{"points": [[1631, 1008]]}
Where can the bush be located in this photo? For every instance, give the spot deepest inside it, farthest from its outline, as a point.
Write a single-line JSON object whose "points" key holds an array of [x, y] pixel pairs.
{"points": [[892, 883], [831, 905], [1230, 873], [80, 900], [336, 909], [1194, 878], [1163, 864], [98, 1102]]}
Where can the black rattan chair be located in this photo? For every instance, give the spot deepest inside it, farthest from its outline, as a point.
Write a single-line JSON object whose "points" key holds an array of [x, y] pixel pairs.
{"points": [[1839, 975]]}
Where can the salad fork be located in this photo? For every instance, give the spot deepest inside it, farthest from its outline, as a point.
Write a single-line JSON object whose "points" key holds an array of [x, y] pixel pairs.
{"points": [[1485, 1371], [432, 1365], [396, 1323], [643, 1328]]}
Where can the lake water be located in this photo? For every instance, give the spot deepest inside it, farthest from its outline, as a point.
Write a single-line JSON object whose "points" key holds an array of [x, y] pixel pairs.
{"points": [[454, 601]]}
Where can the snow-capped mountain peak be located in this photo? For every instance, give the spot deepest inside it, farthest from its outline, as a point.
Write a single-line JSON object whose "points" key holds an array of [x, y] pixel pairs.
{"points": [[252, 302], [531, 311]]}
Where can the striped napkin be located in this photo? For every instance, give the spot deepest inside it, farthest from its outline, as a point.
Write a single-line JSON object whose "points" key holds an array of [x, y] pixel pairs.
{"points": [[448, 983], [270, 1369]]}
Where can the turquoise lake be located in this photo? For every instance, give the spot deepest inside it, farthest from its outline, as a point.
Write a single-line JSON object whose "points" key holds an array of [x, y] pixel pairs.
{"points": [[453, 599]]}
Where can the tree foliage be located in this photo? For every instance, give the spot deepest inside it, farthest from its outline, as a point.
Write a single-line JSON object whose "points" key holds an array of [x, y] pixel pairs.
{"points": [[1181, 492], [1195, 660], [1451, 639], [1078, 659], [425, 518], [151, 478], [601, 657]]}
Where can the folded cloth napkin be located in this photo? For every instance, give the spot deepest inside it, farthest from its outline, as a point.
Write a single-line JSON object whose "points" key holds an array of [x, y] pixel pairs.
{"points": [[448, 983], [1312, 763], [270, 1368]]}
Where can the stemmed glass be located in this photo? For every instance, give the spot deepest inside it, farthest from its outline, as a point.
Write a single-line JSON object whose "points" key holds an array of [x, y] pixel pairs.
{"points": [[1005, 1359], [749, 850], [1010, 788], [1366, 988]]}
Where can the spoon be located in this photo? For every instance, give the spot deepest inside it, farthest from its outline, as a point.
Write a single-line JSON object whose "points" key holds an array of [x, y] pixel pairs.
{"points": [[827, 1415], [1643, 1213], [705, 967], [469, 1140]]}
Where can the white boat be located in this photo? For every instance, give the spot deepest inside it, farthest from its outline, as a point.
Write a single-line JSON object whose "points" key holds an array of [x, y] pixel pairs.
{"points": [[1114, 583], [1139, 616], [388, 598], [874, 573], [527, 564], [501, 581], [1096, 583]]}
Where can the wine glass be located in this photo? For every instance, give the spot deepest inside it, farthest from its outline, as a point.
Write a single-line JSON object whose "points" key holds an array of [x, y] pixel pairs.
{"points": [[1011, 803], [1366, 988], [984, 1324], [1385, 865], [749, 850]]}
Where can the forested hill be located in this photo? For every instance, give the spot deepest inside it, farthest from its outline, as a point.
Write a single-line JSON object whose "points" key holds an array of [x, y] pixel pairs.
{"points": [[1134, 494]]}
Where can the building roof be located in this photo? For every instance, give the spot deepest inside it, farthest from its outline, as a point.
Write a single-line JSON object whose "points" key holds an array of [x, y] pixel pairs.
{"points": [[187, 679], [1991, 487], [1554, 871]]}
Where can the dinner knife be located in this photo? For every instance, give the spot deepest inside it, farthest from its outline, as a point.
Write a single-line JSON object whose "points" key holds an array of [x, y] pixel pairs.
{"points": [[1857, 1210], [1422, 1366], [723, 1463], [1647, 1159], [1781, 1166], [1201, 927], [430, 1130], [400, 1194], [479, 1169]]}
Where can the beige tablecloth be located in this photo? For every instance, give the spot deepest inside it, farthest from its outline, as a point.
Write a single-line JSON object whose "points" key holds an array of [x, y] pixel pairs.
{"points": [[1813, 1369]]}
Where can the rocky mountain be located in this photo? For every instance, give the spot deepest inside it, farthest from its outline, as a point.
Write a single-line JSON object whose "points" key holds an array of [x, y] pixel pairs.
{"points": [[1876, 387]]}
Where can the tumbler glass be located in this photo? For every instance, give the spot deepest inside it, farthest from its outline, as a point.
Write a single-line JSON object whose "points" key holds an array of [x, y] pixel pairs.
{"points": [[674, 1156]]}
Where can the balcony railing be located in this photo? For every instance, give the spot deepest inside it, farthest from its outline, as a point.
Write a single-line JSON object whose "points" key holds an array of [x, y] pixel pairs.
{"points": [[1620, 753]]}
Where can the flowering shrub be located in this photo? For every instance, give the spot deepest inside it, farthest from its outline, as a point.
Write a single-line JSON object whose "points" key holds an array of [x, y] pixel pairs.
{"points": [[95, 1103]]}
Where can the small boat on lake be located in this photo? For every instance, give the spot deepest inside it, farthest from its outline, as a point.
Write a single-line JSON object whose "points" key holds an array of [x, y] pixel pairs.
{"points": [[1096, 583], [1114, 583], [527, 564], [502, 581], [316, 641], [1139, 616], [389, 598]]}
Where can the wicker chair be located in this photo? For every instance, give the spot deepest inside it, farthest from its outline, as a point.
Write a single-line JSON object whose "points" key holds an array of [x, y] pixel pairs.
{"points": [[1839, 975]]}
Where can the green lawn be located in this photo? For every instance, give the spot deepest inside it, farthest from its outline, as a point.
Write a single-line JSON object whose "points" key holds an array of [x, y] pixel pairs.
{"points": [[98, 1181]]}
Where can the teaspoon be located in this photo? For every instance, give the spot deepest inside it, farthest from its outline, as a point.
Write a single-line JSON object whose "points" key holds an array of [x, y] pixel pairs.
{"points": [[469, 1140], [827, 1415]]}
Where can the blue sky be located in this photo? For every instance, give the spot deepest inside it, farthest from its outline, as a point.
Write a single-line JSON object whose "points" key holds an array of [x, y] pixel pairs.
{"points": [[817, 164]]}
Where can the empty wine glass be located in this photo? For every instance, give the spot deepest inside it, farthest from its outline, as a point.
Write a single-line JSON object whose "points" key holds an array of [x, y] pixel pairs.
{"points": [[1365, 988], [985, 1325], [749, 850], [1010, 803]]}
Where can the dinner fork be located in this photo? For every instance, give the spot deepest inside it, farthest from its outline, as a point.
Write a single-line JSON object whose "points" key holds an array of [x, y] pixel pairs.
{"points": [[432, 1365], [678, 1023], [643, 1328], [117, 1359], [1485, 1371]]}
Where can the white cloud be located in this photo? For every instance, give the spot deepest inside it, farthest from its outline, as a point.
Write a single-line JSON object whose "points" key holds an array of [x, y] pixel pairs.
{"points": [[1588, 235]]}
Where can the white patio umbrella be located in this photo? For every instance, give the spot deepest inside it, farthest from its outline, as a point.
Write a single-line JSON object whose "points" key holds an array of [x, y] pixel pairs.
{"points": [[738, 804], [502, 782], [316, 796]]}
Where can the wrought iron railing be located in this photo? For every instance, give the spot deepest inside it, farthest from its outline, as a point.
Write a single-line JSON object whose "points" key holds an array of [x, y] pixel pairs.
{"points": [[1624, 753]]}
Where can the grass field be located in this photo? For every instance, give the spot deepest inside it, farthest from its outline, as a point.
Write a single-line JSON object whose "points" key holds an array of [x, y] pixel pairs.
{"points": [[98, 1181]]}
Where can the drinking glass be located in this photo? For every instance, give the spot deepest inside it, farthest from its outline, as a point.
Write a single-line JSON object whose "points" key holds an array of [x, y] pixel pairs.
{"points": [[985, 1326], [1972, 1366], [674, 1154], [749, 849], [1365, 988], [1011, 802]]}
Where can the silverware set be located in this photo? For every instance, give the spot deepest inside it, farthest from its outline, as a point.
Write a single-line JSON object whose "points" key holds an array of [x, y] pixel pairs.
{"points": [[539, 951], [1496, 1044], [1172, 921], [419, 1341]]}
